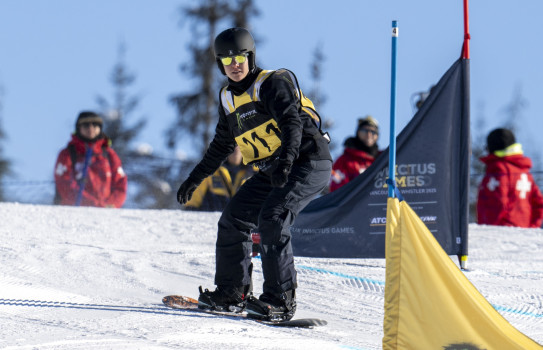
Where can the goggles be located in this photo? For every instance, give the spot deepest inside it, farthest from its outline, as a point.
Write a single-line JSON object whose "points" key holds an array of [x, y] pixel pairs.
{"points": [[369, 131], [226, 61]]}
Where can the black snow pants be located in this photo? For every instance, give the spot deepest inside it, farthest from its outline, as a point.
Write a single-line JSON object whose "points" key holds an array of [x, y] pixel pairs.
{"points": [[269, 211]]}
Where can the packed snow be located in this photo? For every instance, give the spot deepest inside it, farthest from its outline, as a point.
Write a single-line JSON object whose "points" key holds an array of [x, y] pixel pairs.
{"points": [[90, 278]]}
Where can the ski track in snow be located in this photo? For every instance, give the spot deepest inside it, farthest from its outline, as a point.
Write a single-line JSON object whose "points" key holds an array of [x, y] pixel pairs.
{"points": [[90, 278]]}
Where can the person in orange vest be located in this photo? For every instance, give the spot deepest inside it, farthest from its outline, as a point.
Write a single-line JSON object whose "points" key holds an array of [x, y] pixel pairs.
{"points": [[216, 190]]}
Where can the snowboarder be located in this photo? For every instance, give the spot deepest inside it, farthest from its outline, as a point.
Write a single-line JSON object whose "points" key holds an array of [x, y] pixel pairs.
{"points": [[261, 112]]}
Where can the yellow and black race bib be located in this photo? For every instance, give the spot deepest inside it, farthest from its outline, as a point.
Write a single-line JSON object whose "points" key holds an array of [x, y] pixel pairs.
{"points": [[257, 133], [260, 142]]}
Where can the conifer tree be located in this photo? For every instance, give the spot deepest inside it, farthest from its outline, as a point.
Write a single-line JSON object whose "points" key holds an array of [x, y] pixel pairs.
{"points": [[137, 163], [5, 164], [478, 150], [197, 109], [316, 94], [121, 108]]}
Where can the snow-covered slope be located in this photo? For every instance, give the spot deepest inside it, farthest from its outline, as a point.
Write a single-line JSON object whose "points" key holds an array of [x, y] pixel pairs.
{"points": [[88, 278]]}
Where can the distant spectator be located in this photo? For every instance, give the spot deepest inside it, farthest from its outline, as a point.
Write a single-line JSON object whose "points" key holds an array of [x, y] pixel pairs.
{"points": [[359, 153], [216, 190], [508, 195], [88, 172]]}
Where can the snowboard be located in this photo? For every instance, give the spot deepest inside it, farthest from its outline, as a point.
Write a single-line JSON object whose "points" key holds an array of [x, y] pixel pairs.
{"points": [[187, 303]]}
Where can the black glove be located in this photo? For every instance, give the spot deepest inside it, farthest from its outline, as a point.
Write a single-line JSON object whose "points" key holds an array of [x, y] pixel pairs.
{"points": [[184, 194], [280, 174]]}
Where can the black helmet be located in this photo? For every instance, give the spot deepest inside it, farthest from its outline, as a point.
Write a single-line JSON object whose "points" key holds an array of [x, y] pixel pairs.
{"points": [[234, 41]]}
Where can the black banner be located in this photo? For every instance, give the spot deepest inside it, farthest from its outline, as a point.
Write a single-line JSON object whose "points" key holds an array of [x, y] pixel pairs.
{"points": [[432, 173]]}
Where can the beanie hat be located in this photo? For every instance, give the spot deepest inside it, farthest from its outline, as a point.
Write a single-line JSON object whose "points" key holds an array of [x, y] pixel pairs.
{"points": [[499, 139], [367, 121], [88, 117]]}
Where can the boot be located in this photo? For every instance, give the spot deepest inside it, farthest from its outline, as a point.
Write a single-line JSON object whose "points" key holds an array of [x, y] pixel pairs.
{"points": [[273, 307], [224, 298]]}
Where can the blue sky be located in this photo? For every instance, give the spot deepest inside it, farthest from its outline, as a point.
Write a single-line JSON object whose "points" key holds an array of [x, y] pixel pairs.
{"points": [[56, 56]]}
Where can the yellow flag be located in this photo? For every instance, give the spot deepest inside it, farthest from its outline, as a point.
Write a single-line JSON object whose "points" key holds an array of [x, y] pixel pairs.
{"points": [[429, 303]]}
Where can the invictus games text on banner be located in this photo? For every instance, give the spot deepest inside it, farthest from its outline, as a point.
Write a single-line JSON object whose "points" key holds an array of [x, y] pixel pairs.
{"points": [[408, 175]]}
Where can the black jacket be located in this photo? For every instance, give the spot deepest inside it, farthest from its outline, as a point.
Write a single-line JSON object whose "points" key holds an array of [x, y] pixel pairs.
{"points": [[300, 137]]}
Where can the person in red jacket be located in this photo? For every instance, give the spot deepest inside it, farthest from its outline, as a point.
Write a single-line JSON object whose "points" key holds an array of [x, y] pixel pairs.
{"points": [[359, 153], [88, 172], [508, 194]]}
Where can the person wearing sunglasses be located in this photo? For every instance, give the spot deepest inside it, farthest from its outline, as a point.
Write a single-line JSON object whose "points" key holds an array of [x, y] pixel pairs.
{"points": [[88, 172], [359, 153], [261, 112]]}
